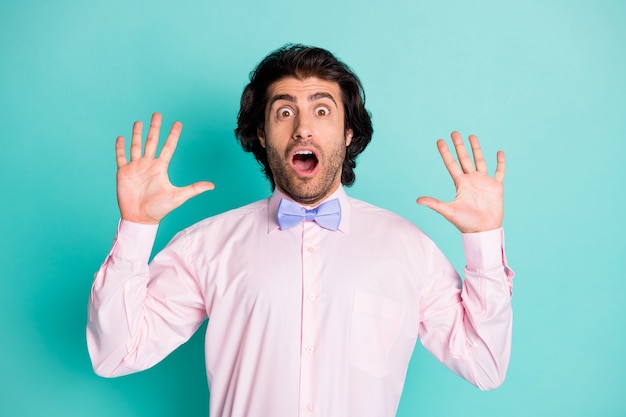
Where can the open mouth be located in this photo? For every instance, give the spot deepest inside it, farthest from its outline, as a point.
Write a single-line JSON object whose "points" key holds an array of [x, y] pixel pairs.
{"points": [[304, 161]]}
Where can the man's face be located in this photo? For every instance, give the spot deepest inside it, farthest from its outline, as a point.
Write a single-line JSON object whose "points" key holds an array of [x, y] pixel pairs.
{"points": [[305, 138]]}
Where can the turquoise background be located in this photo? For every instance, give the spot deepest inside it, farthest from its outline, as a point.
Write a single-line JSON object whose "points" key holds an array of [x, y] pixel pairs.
{"points": [[543, 80]]}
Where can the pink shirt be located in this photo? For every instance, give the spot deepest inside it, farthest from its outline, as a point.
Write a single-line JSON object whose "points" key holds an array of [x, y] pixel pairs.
{"points": [[304, 321]]}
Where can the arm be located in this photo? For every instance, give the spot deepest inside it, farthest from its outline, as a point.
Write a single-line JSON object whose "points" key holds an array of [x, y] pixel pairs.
{"points": [[140, 313], [467, 325]]}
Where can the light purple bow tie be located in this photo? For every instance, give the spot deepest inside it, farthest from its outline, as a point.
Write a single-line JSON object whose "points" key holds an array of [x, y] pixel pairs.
{"points": [[327, 215]]}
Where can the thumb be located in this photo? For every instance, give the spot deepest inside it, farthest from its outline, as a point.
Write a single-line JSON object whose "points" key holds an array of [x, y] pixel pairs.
{"points": [[192, 190], [434, 204]]}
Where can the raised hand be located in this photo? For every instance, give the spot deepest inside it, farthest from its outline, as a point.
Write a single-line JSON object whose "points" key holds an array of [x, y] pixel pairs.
{"points": [[479, 202], [144, 191]]}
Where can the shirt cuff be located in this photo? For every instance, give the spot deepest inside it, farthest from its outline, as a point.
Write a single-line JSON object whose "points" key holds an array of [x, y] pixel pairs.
{"points": [[484, 250], [134, 241]]}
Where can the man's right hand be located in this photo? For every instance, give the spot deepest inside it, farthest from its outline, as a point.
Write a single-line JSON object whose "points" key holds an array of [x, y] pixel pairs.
{"points": [[144, 191]]}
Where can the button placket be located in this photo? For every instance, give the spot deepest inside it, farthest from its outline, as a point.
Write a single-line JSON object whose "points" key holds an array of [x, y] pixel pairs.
{"points": [[311, 270]]}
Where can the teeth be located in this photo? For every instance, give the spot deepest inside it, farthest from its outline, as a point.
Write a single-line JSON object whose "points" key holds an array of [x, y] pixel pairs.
{"points": [[303, 153]]}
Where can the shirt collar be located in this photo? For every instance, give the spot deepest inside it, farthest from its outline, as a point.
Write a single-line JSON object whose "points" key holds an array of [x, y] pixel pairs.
{"points": [[340, 193]]}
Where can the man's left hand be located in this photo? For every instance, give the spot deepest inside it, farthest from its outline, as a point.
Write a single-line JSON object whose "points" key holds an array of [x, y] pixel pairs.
{"points": [[479, 202]]}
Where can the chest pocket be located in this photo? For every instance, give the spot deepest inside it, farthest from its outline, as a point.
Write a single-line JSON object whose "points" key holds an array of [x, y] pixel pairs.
{"points": [[376, 322]]}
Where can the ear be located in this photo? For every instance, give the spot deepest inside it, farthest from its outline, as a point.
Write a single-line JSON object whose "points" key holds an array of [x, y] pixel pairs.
{"points": [[260, 133], [349, 135]]}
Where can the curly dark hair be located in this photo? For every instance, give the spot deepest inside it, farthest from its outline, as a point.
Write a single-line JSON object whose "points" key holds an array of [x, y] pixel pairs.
{"points": [[301, 61]]}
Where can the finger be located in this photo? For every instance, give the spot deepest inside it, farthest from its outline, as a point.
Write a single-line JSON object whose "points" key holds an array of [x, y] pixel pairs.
{"points": [[461, 152], [172, 140], [153, 135], [427, 201], [436, 205], [448, 160], [135, 144], [192, 190], [501, 167], [479, 159], [120, 152]]}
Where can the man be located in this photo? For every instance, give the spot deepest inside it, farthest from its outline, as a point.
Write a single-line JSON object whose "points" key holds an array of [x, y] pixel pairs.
{"points": [[315, 300]]}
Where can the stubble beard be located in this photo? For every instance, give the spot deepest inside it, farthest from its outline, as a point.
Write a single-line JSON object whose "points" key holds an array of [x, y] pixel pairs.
{"points": [[311, 190]]}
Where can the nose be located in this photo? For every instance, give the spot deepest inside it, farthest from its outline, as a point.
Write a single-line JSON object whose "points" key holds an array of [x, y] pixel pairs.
{"points": [[303, 127]]}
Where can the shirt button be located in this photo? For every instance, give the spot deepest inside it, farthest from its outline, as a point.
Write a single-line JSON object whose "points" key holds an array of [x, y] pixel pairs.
{"points": [[310, 249], [312, 297], [310, 350], [309, 408]]}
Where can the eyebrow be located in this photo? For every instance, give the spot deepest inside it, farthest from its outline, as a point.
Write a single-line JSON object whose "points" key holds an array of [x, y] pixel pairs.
{"points": [[318, 96], [312, 97]]}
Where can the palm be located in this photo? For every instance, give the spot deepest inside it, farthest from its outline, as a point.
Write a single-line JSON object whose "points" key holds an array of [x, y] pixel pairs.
{"points": [[144, 191], [479, 203]]}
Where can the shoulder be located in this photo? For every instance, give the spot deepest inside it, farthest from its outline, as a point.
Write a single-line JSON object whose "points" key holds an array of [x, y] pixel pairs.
{"points": [[383, 222], [245, 217], [389, 231], [364, 211]]}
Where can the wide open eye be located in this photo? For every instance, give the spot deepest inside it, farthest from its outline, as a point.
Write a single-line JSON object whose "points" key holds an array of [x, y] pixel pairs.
{"points": [[284, 112], [322, 111]]}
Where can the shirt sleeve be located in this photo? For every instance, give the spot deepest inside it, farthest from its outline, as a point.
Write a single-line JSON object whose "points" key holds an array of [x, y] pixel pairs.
{"points": [[467, 324], [140, 312]]}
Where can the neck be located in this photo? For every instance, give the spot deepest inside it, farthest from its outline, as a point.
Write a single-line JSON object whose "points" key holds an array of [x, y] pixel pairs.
{"points": [[309, 201]]}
